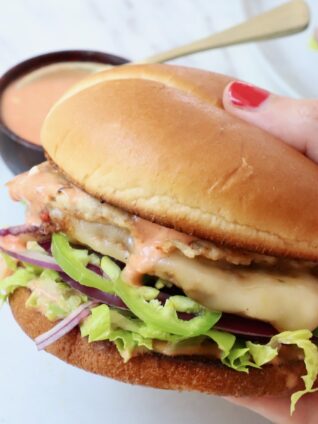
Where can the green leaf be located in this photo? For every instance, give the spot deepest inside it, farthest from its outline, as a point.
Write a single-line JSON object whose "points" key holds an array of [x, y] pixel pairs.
{"points": [[97, 326], [104, 324], [238, 359], [8, 285], [261, 354], [55, 299], [10, 262], [302, 339], [225, 341]]}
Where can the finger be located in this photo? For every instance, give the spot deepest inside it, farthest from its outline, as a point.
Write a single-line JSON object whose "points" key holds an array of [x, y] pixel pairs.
{"points": [[293, 121], [277, 409]]}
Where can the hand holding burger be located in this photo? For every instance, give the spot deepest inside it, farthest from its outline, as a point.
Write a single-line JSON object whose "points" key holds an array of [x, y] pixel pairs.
{"points": [[296, 123]]}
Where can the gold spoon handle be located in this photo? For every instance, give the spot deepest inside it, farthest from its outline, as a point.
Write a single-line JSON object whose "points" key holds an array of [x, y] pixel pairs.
{"points": [[286, 19]]}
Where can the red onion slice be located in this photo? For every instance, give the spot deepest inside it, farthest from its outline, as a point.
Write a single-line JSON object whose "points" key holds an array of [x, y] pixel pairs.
{"points": [[34, 258], [64, 326], [46, 245], [18, 230], [98, 270], [245, 326], [95, 294]]}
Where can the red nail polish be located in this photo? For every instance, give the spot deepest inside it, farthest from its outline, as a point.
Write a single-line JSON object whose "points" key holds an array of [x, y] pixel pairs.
{"points": [[246, 95]]}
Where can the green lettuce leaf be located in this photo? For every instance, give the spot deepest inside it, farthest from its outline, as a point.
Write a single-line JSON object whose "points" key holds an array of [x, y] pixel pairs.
{"points": [[102, 324], [10, 262], [225, 341], [20, 278], [55, 299], [34, 246], [262, 354], [239, 358], [302, 339]]}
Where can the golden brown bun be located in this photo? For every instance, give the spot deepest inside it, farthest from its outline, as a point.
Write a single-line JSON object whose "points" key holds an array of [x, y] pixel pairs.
{"points": [[178, 373], [154, 140]]}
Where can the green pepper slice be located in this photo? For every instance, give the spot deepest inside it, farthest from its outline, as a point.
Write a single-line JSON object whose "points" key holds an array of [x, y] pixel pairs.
{"points": [[164, 317], [73, 267]]}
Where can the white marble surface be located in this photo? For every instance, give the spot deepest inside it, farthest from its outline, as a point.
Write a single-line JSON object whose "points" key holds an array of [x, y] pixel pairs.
{"points": [[34, 387]]}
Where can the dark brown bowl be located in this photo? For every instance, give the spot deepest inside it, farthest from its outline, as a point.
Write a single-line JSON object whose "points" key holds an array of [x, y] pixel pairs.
{"points": [[20, 154]]}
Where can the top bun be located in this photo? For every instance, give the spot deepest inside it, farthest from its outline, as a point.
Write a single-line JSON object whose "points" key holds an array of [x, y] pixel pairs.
{"points": [[156, 141]]}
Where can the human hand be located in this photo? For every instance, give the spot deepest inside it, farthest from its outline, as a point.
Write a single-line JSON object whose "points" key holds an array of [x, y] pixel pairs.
{"points": [[293, 121], [296, 123], [277, 410]]}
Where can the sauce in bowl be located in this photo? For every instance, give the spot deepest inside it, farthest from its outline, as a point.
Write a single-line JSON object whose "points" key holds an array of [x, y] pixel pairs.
{"points": [[27, 100]]}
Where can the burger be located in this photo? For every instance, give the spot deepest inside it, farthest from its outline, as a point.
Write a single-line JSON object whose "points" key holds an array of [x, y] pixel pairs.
{"points": [[167, 243]]}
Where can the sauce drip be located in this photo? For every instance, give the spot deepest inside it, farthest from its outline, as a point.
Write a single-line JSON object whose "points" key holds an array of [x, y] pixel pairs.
{"points": [[38, 187], [149, 240]]}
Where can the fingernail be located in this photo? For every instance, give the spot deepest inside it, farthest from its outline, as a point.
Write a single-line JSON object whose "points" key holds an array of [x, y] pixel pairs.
{"points": [[246, 95]]}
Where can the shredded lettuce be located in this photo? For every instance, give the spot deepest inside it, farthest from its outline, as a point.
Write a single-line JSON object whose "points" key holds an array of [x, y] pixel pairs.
{"points": [[239, 358], [225, 341], [10, 262], [302, 339], [20, 278], [55, 299], [101, 325], [261, 354], [34, 246], [97, 326]]}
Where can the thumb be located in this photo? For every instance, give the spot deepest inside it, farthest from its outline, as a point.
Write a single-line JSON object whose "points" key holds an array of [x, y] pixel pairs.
{"points": [[293, 121]]}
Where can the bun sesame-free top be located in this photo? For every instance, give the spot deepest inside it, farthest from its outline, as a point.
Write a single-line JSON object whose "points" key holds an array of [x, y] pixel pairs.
{"points": [[155, 141]]}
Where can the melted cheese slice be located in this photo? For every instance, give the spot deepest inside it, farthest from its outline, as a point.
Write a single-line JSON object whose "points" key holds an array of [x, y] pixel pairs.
{"points": [[286, 297]]}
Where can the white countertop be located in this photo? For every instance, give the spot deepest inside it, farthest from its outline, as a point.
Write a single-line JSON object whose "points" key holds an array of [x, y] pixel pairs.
{"points": [[35, 387]]}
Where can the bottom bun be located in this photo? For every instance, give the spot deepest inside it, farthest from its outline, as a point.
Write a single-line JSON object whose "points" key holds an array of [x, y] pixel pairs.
{"points": [[159, 371]]}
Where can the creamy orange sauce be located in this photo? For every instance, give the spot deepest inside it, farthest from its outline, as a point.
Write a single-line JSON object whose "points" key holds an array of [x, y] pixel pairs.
{"points": [[149, 239], [206, 348], [27, 101], [4, 270], [36, 188], [12, 243]]}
